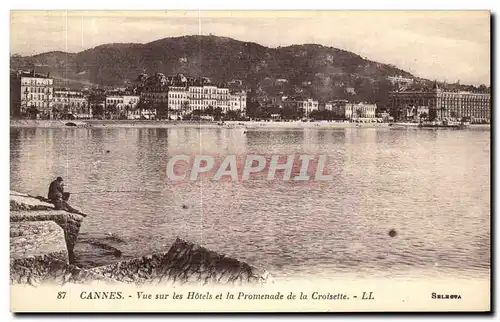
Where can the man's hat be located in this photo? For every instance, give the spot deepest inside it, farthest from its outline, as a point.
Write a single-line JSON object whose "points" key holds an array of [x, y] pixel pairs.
{"points": [[59, 179]]}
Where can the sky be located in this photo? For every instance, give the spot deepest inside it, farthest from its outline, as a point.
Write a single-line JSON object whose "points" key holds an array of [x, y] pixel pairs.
{"points": [[443, 45]]}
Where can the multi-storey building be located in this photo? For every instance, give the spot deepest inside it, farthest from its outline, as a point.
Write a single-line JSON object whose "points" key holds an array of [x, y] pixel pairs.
{"points": [[345, 110], [209, 96], [223, 98], [307, 104], [154, 93], [341, 109], [238, 101], [195, 97], [177, 96], [123, 102], [31, 94], [70, 102], [363, 110], [332, 105], [400, 81], [441, 105], [177, 101]]}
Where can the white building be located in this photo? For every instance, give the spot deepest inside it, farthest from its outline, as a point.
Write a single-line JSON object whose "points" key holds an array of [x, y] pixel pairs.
{"points": [[71, 102], [223, 99], [333, 106], [141, 114], [123, 102], [308, 105], [238, 101], [400, 80], [363, 110], [179, 97], [177, 102], [31, 92]]}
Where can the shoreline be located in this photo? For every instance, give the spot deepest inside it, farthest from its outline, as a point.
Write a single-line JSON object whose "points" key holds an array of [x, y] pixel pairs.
{"points": [[42, 250], [209, 125]]}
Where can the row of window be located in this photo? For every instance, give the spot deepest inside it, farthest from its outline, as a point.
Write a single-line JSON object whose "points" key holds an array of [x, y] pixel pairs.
{"points": [[34, 82], [37, 97], [199, 96], [441, 102], [77, 96], [38, 104], [37, 90], [77, 104], [190, 90], [64, 99]]}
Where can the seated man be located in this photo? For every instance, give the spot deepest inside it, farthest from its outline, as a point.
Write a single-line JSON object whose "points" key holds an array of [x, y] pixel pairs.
{"points": [[57, 195]]}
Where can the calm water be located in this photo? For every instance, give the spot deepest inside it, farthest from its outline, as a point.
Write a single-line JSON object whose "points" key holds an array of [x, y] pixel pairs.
{"points": [[432, 187]]}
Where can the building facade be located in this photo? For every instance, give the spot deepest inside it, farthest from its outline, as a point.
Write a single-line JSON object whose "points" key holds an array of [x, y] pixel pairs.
{"points": [[333, 106], [121, 105], [154, 94], [341, 110], [363, 110], [177, 101], [238, 101], [400, 80], [307, 104], [31, 95], [70, 102], [441, 105], [177, 96], [344, 110]]}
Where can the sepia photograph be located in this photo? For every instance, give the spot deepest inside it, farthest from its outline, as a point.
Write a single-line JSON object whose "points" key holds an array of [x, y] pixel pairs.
{"points": [[250, 161]]}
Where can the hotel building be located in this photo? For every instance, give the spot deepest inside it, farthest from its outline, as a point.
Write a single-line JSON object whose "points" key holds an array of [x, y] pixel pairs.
{"points": [[32, 94], [177, 96], [67, 101], [441, 105], [307, 104]]}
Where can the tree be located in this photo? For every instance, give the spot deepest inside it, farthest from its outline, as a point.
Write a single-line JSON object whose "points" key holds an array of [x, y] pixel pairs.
{"points": [[144, 104], [185, 107], [32, 112], [322, 115], [209, 111], [253, 108], [301, 113], [358, 112], [217, 113], [111, 110], [482, 88], [98, 109], [233, 115], [56, 112]]}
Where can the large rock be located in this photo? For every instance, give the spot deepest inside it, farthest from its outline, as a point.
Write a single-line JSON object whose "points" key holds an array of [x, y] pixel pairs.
{"points": [[33, 247], [60, 273], [38, 255], [184, 263], [22, 201], [69, 222]]}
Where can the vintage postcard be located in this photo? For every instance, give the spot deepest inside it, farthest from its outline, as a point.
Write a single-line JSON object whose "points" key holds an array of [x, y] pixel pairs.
{"points": [[250, 161]]}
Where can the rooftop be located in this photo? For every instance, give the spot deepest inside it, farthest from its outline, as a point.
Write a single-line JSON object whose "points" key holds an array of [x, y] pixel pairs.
{"points": [[24, 73]]}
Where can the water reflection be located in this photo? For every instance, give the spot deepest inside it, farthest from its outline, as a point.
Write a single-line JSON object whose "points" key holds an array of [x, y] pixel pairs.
{"points": [[431, 186]]}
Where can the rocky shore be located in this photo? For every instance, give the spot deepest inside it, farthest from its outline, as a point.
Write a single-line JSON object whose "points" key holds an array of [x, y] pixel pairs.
{"points": [[42, 244]]}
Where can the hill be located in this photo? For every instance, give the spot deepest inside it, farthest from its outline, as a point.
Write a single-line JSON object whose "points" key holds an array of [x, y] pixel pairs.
{"points": [[309, 69]]}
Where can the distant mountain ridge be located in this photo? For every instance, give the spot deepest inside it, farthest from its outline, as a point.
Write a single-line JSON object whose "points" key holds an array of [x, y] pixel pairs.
{"points": [[309, 69]]}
